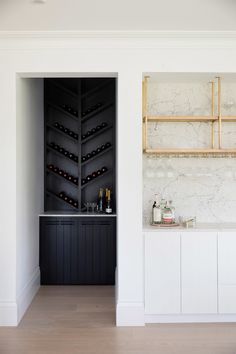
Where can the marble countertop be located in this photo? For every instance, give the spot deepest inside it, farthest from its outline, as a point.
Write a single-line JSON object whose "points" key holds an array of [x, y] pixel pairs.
{"points": [[74, 214], [199, 227]]}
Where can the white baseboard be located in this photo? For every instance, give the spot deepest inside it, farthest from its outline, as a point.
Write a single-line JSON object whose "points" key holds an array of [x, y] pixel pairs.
{"points": [[130, 314], [8, 314], [208, 318], [27, 294]]}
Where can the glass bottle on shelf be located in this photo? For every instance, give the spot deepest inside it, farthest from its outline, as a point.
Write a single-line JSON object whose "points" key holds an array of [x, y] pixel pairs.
{"points": [[100, 201], [108, 204], [156, 211]]}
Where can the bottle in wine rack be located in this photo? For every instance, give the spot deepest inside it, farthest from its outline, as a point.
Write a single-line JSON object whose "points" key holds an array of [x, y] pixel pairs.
{"points": [[98, 150], [94, 174], [88, 134], [61, 127], [66, 130], [104, 124], [103, 147], [50, 167], [69, 178], [75, 136], [88, 178], [107, 145], [75, 204], [83, 181], [61, 150], [88, 156], [55, 169], [83, 158], [83, 137], [99, 172], [61, 195], [56, 125], [75, 180], [60, 172], [93, 153], [70, 133], [93, 131], [66, 153], [98, 127], [104, 169], [65, 175]]}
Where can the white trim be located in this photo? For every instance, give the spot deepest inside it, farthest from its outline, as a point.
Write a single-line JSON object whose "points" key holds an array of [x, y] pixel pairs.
{"points": [[118, 34], [28, 293], [130, 314], [190, 318], [33, 40], [8, 313]]}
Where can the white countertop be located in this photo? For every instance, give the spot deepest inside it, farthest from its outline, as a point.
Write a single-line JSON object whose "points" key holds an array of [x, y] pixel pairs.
{"points": [[74, 214], [199, 227]]}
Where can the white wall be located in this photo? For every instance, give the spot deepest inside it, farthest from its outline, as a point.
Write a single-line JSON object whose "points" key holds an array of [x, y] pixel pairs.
{"points": [[29, 187], [201, 187], [118, 15], [129, 58]]}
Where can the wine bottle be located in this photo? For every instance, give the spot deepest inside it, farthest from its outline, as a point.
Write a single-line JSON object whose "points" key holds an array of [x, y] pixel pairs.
{"points": [[75, 113], [56, 147], [100, 201], [99, 173], [61, 195], [83, 181], [75, 136], [104, 169], [108, 204], [88, 156], [65, 175], [94, 174], [98, 150], [66, 153], [55, 169], [75, 180], [52, 145], [61, 150], [83, 137], [56, 125], [69, 178], [93, 131], [83, 158], [104, 124], [93, 153], [75, 158], [102, 147], [98, 127], [88, 178], [50, 167], [88, 133], [71, 156], [61, 127], [71, 201], [71, 133], [107, 145], [65, 198], [60, 172], [66, 130], [75, 204]]}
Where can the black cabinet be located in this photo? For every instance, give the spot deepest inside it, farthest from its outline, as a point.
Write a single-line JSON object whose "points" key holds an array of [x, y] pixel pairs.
{"points": [[77, 250]]}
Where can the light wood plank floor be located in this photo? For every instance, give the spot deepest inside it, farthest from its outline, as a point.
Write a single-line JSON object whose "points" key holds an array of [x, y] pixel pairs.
{"points": [[69, 320]]}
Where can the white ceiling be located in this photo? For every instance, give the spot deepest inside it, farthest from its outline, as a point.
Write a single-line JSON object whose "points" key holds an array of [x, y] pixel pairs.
{"points": [[118, 15]]}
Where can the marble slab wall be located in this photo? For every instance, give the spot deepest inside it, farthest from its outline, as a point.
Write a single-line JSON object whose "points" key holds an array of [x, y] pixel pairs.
{"points": [[201, 187]]}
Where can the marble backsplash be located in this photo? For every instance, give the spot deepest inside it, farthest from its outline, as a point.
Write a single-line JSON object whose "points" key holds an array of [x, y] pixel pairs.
{"points": [[201, 187]]}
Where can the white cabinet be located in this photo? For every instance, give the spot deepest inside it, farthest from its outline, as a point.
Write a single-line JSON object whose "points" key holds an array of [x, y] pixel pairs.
{"points": [[227, 272], [162, 273], [199, 272]]}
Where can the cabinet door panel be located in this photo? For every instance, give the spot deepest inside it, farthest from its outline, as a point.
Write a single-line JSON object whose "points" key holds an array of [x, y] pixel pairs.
{"points": [[162, 273], [199, 272], [227, 272], [96, 252]]}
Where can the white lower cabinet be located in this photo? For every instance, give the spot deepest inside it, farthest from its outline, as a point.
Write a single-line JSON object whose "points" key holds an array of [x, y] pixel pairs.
{"points": [[199, 272], [162, 273], [227, 272], [181, 273]]}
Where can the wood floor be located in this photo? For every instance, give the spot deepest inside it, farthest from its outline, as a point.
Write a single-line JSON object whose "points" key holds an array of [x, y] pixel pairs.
{"points": [[81, 320]]}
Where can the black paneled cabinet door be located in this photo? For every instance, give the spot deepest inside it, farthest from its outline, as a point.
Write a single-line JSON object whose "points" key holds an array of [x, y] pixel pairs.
{"points": [[77, 251]]}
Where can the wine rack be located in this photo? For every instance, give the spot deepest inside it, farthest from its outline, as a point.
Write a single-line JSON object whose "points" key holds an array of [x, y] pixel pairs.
{"points": [[79, 141]]}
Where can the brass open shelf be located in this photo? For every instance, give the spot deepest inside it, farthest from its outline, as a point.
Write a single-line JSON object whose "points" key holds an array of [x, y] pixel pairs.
{"points": [[215, 149]]}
